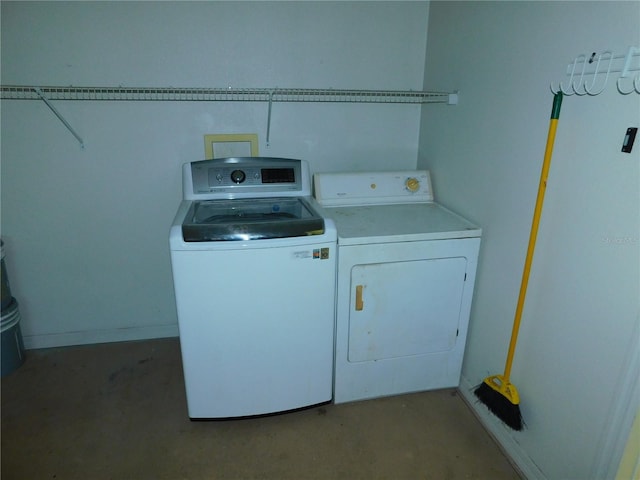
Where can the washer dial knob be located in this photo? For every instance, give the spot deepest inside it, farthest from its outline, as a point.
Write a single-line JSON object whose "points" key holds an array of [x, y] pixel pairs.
{"points": [[238, 176], [412, 184]]}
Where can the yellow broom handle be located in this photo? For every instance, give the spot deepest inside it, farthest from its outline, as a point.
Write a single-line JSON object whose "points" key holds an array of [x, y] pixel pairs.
{"points": [[551, 136]]}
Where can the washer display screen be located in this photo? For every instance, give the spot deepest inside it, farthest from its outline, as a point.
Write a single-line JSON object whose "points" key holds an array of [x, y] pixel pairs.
{"points": [[278, 175]]}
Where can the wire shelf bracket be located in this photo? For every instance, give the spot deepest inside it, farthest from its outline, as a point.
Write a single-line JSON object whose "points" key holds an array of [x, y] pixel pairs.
{"points": [[328, 95], [41, 94]]}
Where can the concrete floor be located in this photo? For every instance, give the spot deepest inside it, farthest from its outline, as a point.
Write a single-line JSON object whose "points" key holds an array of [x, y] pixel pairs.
{"points": [[118, 411]]}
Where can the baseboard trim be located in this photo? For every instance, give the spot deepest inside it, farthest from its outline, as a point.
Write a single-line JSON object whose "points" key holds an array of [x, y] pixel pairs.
{"points": [[505, 437], [99, 336]]}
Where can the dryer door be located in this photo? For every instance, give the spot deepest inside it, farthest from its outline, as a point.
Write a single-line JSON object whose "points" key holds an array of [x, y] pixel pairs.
{"points": [[402, 314], [405, 308]]}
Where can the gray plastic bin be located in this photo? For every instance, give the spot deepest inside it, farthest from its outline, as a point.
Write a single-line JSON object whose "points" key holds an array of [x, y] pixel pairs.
{"points": [[12, 344], [6, 298]]}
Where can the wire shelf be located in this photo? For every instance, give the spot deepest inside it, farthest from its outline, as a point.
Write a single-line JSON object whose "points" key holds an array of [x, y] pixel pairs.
{"points": [[270, 95], [22, 92]]}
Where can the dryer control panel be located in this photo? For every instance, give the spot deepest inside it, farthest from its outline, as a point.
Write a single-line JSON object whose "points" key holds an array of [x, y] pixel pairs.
{"points": [[373, 188]]}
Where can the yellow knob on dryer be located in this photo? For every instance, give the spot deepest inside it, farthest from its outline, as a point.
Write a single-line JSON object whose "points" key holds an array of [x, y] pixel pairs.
{"points": [[412, 184]]}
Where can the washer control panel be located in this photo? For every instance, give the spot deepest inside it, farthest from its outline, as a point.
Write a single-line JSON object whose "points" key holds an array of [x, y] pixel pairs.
{"points": [[226, 176], [245, 176]]}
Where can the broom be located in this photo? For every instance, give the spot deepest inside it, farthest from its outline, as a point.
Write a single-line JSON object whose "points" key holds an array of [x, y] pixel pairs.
{"points": [[497, 392]]}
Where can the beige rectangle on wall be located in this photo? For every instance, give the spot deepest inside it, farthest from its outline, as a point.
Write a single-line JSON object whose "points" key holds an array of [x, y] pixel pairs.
{"points": [[230, 145]]}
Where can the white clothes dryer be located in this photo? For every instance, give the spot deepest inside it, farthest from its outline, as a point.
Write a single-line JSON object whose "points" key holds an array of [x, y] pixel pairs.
{"points": [[406, 274]]}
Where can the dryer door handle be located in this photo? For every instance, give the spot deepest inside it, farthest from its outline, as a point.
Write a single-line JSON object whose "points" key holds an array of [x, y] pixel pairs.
{"points": [[359, 302]]}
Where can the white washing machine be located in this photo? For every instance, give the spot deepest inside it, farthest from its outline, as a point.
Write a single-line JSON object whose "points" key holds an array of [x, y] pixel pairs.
{"points": [[254, 267], [406, 273]]}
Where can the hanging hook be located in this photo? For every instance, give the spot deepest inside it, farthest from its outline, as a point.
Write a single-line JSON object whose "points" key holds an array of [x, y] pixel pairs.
{"points": [[597, 71], [625, 72], [575, 87], [635, 84], [573, 71]]}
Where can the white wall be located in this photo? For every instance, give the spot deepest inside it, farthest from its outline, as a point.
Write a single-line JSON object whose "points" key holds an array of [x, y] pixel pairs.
{"points": [[576, 365], [86, 231]]}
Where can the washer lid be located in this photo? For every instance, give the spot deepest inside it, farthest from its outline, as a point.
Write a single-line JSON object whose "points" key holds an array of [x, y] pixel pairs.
{"points": [[250, 219]]}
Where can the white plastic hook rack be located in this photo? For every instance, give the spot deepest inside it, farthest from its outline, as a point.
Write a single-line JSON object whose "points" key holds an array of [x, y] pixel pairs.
{"points": [[270, 95], [589, 74]]}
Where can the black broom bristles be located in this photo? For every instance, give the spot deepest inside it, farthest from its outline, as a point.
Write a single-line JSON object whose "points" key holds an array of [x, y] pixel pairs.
{"points": [[500, 406]]}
